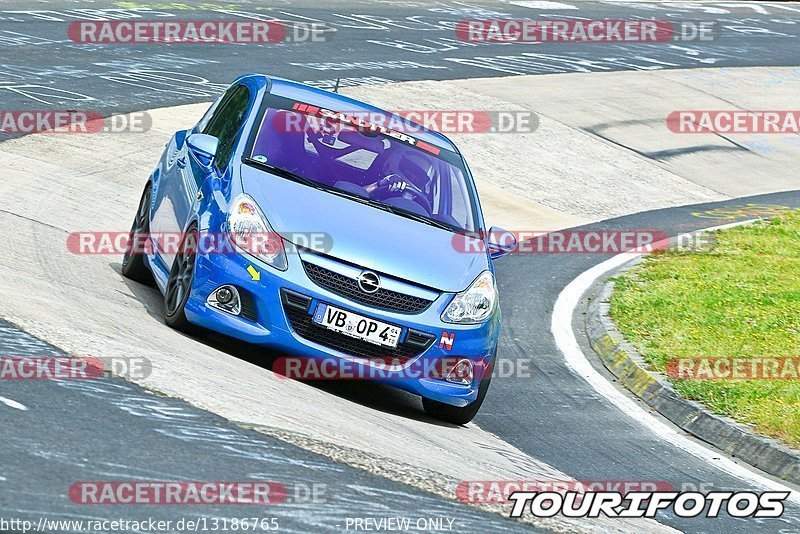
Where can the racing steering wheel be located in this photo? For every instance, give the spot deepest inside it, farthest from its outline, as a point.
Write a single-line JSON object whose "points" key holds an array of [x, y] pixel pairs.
{"points": [[411, 192]]}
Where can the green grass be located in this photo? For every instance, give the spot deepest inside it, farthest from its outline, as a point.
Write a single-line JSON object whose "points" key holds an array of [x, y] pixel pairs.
{"points": [[740, 298]]}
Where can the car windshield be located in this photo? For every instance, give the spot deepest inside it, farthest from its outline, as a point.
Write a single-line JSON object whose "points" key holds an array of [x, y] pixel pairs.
{"points": [[385, 168]]}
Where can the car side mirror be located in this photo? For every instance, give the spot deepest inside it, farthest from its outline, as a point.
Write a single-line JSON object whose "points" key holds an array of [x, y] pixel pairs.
{"points": [[500, 242], [203, 148]]}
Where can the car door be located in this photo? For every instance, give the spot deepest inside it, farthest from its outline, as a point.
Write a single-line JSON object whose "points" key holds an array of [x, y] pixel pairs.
{"points": [[176, 193]]}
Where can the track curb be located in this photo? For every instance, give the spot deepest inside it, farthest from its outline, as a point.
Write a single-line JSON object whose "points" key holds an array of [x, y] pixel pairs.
{"points": [[630, 369]]}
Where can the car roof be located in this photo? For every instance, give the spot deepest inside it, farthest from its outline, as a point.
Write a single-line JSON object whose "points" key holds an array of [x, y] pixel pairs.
{"points": [[337, 102]]}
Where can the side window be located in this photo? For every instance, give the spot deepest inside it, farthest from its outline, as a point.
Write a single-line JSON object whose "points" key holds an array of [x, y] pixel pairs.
{"points": [[226, 123], [201, 126], [459, 196]]}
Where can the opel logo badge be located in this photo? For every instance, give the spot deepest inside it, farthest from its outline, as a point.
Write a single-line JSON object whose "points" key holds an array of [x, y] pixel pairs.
{"points": [[369, 282]]}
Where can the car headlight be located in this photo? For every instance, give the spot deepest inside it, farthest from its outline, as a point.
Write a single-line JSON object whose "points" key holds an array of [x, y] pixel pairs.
{"points": [[250, 232], [475, 304]]}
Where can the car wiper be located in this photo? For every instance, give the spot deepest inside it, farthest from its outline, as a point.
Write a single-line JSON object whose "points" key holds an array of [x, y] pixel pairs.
{"points": [[285, 173], [426, 220], [411, 215], [351, 196]]}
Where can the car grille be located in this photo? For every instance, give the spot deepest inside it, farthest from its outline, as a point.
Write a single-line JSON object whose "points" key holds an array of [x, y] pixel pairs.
{"points": [[348, 287], [301, 322]]}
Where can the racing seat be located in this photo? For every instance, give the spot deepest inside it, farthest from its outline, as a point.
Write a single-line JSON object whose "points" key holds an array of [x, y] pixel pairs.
{"points": [[335, 160], [414, 173]]}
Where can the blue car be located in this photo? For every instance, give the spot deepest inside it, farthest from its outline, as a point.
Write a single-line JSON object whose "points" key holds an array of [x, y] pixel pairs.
{"points": [[326, 229]]}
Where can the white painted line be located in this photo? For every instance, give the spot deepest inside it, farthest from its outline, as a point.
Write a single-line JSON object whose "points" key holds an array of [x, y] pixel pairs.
{"points": [[13, 404], [561, 327], [541, 4]]}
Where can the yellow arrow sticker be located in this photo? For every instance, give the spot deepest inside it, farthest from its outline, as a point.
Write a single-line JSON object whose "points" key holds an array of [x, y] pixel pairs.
{"points": [[254, 273]]}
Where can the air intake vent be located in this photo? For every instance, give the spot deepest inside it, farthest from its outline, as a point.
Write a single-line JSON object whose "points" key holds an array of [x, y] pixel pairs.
{"points": [[295, 300], [419, 339], [249, 310]]}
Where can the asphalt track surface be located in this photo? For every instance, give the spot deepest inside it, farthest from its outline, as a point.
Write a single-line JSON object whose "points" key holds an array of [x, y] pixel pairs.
{"points": [[374, 42], [108, 429], [114, 429]]}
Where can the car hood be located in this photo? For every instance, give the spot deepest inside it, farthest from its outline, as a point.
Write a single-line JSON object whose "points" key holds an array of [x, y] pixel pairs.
{"points": [[364, 235]]}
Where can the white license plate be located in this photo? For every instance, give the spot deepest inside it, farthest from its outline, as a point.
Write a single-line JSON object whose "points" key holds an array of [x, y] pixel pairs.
{"points": [[357, 326]]}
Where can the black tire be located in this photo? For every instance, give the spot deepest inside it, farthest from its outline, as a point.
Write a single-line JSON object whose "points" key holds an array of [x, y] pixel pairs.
{"points": [[179, 284], [133, 263], [460, 415]]}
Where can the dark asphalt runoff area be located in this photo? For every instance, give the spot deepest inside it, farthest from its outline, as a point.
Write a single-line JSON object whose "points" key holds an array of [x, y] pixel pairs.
{"points": [[110, 429]]}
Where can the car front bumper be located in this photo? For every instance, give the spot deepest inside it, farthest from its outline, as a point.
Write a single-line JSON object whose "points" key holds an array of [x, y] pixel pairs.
{"points": [[276, 326]]}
